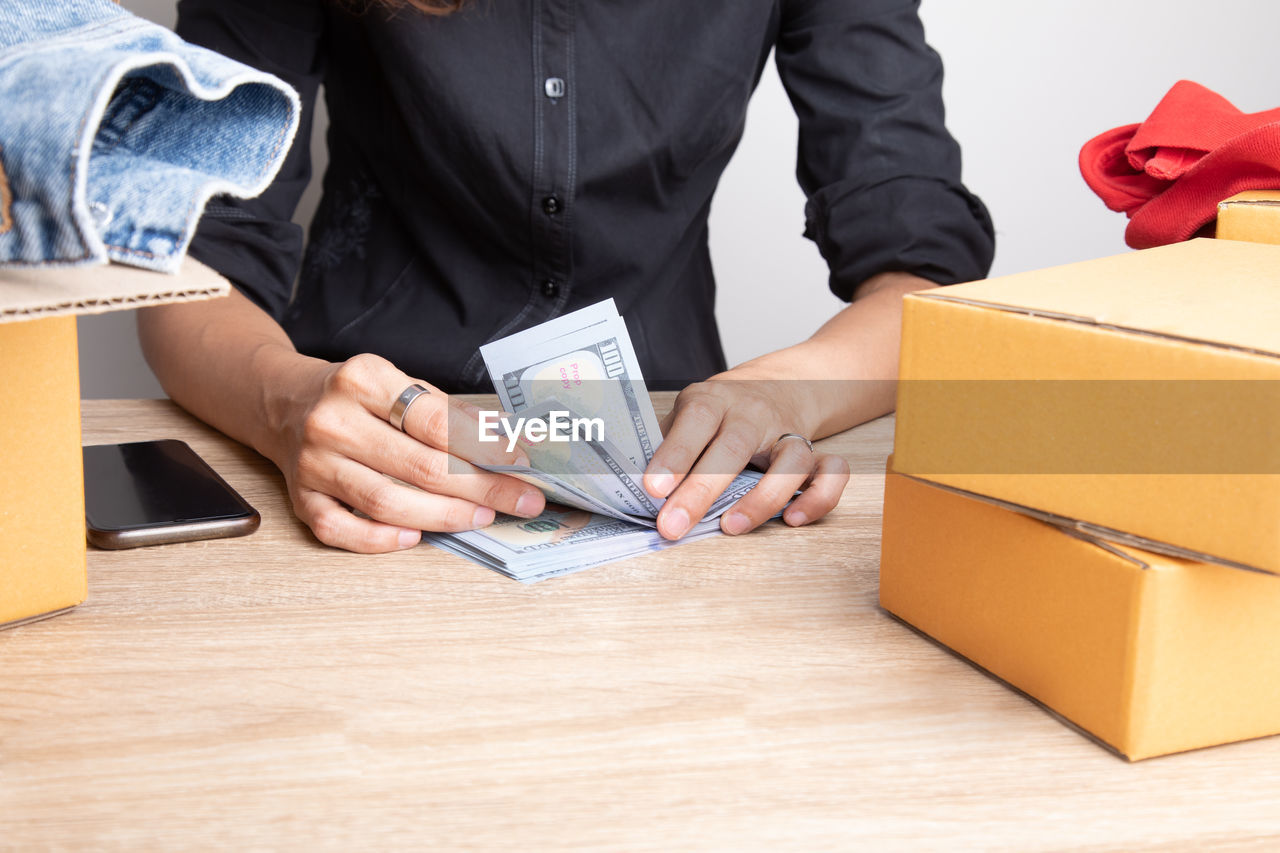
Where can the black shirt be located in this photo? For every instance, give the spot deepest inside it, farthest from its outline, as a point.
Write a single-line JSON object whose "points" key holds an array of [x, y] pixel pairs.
{"points": [[520, 159]]}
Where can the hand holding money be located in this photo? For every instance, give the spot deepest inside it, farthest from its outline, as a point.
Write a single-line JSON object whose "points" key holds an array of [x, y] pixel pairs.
{"points": [[605, 505], [582, 367], [585, 362], [718, 427]]}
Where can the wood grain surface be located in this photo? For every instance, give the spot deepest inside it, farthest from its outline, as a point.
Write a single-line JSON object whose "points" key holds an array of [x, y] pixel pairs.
{"points": [[271, 693]]}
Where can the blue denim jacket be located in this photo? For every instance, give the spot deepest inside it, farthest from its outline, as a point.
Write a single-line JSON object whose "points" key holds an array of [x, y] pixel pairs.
{"points": [[114, 133]]}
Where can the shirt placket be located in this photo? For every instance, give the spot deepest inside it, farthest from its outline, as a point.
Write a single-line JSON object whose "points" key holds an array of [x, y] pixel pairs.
{"points": [[555, 153]]}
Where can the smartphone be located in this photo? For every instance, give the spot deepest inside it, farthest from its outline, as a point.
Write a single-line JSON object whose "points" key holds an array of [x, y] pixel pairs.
{"points": [[157, 492]]}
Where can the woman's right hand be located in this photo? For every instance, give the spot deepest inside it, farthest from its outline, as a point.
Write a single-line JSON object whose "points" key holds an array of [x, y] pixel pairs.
{"points": [[327, 427], [338, 451]]}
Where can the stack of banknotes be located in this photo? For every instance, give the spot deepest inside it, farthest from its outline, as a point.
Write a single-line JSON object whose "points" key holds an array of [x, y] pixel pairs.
{"points": [[579, 378]]}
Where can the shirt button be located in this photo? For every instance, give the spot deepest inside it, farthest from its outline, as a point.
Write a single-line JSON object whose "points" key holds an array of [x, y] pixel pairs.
{"points": [[551, 288], [554, 87], [551, 205]]}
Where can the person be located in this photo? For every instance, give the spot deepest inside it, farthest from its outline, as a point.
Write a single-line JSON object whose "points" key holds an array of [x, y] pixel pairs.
{"points": [[508, 162]]}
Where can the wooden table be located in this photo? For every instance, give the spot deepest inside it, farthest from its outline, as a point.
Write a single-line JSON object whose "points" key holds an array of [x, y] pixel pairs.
{"points": [[270, 693]]}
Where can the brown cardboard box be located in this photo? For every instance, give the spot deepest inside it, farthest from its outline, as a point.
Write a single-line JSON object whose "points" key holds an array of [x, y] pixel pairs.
{"points": [[1135, 397], [1252, 216], [1149, 654], [42, 535]]}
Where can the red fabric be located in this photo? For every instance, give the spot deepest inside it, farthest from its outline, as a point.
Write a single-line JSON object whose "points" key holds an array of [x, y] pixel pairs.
{"points": [[1169, 172]]}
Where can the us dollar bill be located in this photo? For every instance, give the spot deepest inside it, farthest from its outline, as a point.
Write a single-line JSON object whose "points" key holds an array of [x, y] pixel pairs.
{"points": [[590, 464], [585, 361], [583, 366], [592, 474], [560, 541]]}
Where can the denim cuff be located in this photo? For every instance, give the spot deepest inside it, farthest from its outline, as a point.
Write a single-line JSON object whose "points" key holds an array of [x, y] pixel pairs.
{"points": [[114, 133]]}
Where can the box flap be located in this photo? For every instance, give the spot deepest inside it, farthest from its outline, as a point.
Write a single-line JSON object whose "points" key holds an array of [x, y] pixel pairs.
{"points": [[1253, 216], [1264, 198], [1127, 546], [26, 294], [1220, 293], [1070, 527]]}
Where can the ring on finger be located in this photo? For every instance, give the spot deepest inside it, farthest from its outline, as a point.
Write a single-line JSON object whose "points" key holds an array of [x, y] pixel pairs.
{"points": [[786, 435], [400, 407]]}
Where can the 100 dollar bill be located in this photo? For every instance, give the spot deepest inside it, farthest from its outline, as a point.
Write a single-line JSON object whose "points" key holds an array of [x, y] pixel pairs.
{"points": [[585, 361], [581, 364]]}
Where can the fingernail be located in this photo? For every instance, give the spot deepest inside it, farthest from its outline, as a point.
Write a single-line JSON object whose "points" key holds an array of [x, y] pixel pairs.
{"points": [[676, 523], [409, 538], [735, 523], [483, 517], [522, 458], [795, 518], [529, 504], [661, 481]]}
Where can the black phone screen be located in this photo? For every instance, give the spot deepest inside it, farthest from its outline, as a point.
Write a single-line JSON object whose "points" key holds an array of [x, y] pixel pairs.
{"points": [[154, 483]]}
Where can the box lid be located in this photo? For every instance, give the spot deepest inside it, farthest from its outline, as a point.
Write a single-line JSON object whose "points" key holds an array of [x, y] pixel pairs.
{"points": [[1221, 293], [1143, 552], [1253, 216], [30, 293], [1263, 198]]}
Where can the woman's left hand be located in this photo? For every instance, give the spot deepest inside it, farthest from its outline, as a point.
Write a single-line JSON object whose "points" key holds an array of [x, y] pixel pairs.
{"points": [[844, 374], [719, 426]]}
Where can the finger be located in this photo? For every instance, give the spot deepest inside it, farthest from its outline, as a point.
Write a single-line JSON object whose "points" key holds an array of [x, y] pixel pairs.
{"points": [[790, 468], [385, 500], [454, 426], [364, 433], [333, 524], [351, 433], [693, 426], [432, 418], [728, 453], [830, 476], [407, 459], [468, 437]]}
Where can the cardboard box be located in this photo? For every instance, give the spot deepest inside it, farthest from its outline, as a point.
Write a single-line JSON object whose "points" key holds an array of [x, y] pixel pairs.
{"points": [[42, 533], [1136, 398], [1147, 653], [1252, 216]]}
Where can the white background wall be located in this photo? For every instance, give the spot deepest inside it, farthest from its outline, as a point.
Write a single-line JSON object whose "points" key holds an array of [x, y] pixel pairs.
{"points": [[1027, 83]]}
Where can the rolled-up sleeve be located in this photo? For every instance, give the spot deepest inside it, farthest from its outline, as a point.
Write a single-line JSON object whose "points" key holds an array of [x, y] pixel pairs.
{"points": [[876, 162], [252, 242]]}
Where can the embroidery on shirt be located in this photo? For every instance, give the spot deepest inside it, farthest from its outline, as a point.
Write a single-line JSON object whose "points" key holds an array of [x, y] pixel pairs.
{"points": [[345, 228], [6, 199]]}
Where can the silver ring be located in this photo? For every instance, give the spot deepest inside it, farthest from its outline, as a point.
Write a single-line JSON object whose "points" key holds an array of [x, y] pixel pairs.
{"points": [[400, 407], [785, 435]]}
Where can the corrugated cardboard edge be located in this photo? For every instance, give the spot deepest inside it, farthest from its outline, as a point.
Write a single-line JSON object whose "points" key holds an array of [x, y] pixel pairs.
{"points": [[1095, 533], [32, 293], [1089, 321], [27, 620], [1252, 217], [1262, 198]]}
